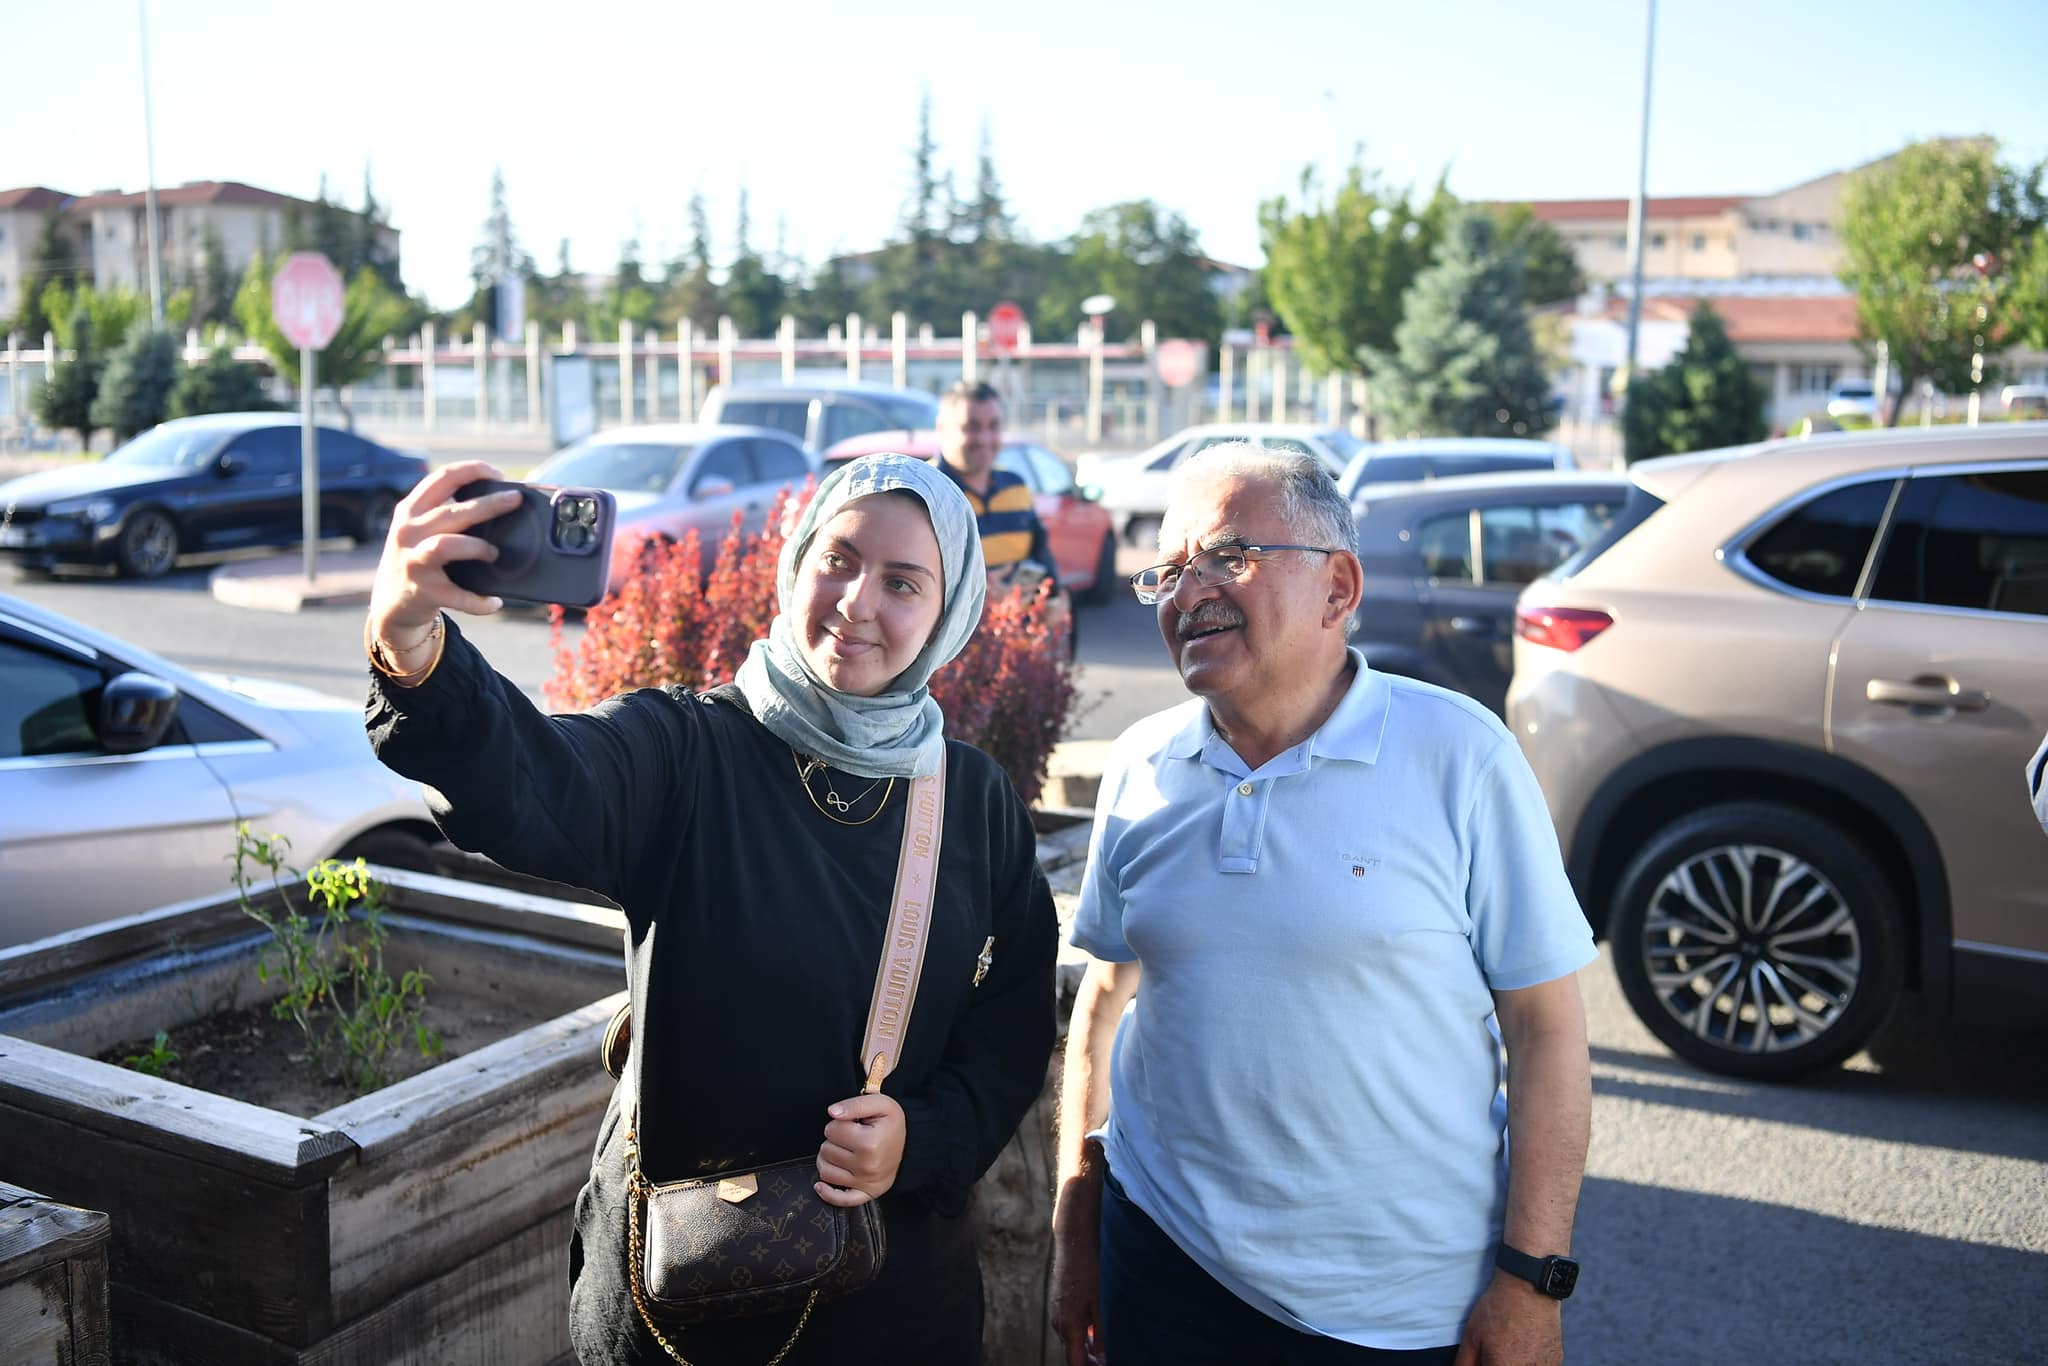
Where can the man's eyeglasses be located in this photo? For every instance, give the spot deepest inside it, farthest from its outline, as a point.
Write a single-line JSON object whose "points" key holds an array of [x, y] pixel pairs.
{"points": [[1220, 564]]}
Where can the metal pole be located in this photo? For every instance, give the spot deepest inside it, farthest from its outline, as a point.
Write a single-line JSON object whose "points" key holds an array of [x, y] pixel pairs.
{"points": [[625, 372], [854, 336], [1635, 206], [970, 347], [899, 349], [1225, 381], [156, 278], [309, 463]]}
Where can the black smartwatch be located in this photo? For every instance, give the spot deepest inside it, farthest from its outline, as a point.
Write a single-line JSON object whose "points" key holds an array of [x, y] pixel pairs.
{"points": [[1554, 1276]]}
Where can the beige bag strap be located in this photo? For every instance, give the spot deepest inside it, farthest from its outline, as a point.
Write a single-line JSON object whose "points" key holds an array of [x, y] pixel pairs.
{"points": [[917, 881]]}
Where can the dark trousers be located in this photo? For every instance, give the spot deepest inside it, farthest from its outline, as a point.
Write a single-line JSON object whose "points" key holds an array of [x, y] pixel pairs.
{"points": [[1159, 1308]]}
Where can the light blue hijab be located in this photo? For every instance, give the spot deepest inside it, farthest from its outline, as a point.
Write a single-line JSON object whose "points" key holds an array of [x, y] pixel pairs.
{"points": [[898, 733]]}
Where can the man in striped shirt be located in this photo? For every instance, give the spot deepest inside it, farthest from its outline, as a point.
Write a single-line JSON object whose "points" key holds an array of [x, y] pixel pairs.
{"points": [[1013, 540]]}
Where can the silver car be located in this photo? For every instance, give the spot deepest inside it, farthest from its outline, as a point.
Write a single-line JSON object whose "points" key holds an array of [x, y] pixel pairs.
{"points": [[1133, 487], [670, 479], [122, 777]]}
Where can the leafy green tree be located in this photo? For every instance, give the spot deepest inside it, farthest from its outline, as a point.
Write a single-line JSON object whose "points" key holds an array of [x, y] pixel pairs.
{"points": [[1464, 363], [370, 314], [1550, 272], [65, 400], [1703, 400], [1925, 235], [1145, 257], [220, 384], [56, 259], [2029, 292], [111, 314], [1337, 270], [135, 389]]}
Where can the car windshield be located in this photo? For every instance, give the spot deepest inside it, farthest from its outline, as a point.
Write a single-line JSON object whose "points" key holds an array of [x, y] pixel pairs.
{"points": [[621, 466], [167, 447], [1342, 444]]}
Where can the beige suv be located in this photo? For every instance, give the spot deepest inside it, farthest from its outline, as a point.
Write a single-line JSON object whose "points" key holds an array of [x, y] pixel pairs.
{"points": [[1781, 711]]}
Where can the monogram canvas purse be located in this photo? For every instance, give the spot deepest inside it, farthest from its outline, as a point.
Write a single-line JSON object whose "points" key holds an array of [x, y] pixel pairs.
{"points": [[760, 1241]]}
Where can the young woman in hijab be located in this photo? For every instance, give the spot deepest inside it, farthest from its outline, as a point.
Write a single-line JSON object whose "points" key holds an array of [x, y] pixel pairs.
{"points": [[752, 836]]}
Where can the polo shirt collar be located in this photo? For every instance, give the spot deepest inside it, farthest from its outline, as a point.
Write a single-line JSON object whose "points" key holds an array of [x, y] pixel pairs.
{"points": [[1352, 733]]}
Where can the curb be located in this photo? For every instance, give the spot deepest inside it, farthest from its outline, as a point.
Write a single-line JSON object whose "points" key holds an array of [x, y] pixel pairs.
{"points": [[278, 583]]}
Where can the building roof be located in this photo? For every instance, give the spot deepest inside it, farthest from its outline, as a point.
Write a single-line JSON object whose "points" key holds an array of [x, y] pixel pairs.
{"points": [[192, 192], [1784, 318], [33, 198], [1602, 210]]}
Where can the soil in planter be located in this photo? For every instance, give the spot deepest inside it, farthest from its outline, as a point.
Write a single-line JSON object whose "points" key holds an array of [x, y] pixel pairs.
{"points": [[251, 1055]]}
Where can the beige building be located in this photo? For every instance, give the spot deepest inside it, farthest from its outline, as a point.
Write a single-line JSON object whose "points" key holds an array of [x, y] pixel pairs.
{"points": [[111, 233]]}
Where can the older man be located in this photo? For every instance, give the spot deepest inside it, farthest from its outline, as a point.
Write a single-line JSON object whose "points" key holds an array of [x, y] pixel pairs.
{"points": [[1333, 895]]}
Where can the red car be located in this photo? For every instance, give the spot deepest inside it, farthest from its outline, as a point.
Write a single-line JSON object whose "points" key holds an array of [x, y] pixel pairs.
{"points": [[1077, 527]]}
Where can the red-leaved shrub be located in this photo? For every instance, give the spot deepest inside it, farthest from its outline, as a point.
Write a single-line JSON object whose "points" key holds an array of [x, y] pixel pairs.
{"points": [[1010, 693]]}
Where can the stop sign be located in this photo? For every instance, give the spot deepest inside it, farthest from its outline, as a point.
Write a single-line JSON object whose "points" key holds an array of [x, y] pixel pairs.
{"points": [[305, 298], [1179, 362], [1005, 326]]}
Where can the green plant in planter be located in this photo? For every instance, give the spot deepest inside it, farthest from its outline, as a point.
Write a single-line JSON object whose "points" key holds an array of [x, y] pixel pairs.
{"points": [[153, 1060], [353, 1013]]}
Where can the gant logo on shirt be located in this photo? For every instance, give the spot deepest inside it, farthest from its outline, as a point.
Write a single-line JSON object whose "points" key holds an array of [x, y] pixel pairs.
{"points": [[1360, 864]]}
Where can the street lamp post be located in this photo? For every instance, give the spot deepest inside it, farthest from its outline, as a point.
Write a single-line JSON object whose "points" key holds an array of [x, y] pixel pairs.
{"points": [[156, 269], [1636, 204]]}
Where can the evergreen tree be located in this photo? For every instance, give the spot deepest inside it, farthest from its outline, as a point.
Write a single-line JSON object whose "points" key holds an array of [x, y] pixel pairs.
{"points": [[214, 290], [1550, 271], [220, 384], [1464, 364], [1703, 400], [754, 295], [56, 259], [65, 400], [497, 256], [135, 390], [688, 290], [985, 218]]}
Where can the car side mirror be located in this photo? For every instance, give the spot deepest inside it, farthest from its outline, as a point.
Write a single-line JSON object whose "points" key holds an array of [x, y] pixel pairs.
{"points": [[1088, 493], [230, 465], [136, 709], [711, 488]]}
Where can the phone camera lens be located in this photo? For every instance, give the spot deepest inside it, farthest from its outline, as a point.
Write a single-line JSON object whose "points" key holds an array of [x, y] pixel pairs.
{"points": [[586, 511], [565, 511]]}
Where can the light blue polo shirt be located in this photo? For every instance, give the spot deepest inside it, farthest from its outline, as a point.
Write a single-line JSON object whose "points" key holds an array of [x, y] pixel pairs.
{"points": [[1307, 1094]]}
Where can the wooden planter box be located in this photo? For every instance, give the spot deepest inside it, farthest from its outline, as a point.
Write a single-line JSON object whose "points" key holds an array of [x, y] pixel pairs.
{"points": [[427, 1222], [53, 1282]]}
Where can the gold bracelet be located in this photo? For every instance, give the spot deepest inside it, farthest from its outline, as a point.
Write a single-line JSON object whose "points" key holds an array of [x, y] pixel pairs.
{"points": [[385, 665]]}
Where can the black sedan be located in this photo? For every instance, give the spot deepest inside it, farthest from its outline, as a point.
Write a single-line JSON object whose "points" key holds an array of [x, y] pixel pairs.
{"points": [[1444, 562], [219, 482]]}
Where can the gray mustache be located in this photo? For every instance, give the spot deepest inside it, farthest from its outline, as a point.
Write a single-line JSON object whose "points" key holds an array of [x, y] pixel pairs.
{"points": [[1207, 617]]}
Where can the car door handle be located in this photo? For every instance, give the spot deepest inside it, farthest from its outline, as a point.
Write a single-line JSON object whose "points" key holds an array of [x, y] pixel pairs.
{"points": [[1927, 692], [1472, 626]]}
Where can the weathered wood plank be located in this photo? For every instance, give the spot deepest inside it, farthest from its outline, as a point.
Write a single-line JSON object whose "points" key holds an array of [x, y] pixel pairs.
{"points": [[83, 1097], [36, 1231], [184, 925], [590, 925], [35, 1318], [546, 976], [132, 999], [92, 1329], [462, 1159], [242, 1249], [508, 1307]]}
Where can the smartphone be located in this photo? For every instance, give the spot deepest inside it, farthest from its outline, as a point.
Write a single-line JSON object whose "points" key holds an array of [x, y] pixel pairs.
{"points": [[556, 546]]}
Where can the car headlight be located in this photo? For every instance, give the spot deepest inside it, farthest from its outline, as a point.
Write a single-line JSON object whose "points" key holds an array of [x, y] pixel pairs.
{"points": [[92, 509]]}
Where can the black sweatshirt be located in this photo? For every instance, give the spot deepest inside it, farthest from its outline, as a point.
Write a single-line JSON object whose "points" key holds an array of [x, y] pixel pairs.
{"points": [[759, 920]]}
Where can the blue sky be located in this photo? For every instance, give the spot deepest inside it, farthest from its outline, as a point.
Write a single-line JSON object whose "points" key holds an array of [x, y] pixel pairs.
{"points": [[608, 116]]}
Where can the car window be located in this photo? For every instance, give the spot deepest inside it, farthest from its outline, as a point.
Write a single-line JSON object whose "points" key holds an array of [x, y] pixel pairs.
{"points": [[777, 461], [792, 415], [171, 446], [621, 466], [1393, 469], [1970, 540], [200, 724], [1446, 546], [1051, 473], [47, 703], [1287, 444], [911, 415], [268, 453], [1521, 544], [1165, 459], [726, 460], [338, 450], [1823, 545], [1017, 462], [843, 420]]}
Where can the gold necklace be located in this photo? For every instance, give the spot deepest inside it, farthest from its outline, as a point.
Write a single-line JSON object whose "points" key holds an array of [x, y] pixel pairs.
{"points": [[806, 766]]}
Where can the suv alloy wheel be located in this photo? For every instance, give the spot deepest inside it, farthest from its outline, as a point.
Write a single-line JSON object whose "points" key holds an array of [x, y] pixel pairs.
{"points": [[1756, 940]]}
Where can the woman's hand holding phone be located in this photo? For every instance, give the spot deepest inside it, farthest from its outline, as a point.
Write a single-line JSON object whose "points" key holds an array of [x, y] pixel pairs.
{"points": [[430, 529]]}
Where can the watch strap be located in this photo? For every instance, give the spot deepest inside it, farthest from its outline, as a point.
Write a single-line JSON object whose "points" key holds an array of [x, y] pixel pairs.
{"points": [[1553, 1276]]}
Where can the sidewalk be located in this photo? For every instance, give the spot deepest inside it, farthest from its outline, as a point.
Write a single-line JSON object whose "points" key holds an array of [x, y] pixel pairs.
{"points": [[277, 583]]}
